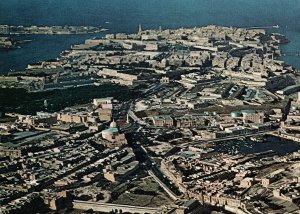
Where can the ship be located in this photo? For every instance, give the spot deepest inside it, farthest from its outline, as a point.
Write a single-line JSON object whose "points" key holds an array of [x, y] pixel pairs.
{"points": [[257, 139]]}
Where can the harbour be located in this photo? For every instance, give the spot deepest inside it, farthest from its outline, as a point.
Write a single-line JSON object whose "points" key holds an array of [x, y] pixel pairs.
{"points": [[278, 145]]}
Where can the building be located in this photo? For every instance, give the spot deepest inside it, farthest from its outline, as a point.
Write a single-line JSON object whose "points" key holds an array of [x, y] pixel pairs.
{"points": [[69, 117], [113, 135], [253, 118], [164, 80], [40, 118], [103, 102], [163, 121], [247, 182], [104, 114], [191, 121], [104, 108], [9, 152]]}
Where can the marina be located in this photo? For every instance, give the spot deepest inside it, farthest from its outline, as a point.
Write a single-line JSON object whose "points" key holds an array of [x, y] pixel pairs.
{"points": [[248, 146]]}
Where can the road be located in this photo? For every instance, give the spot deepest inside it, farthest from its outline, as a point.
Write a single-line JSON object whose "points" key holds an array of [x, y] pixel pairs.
{"points": [[117, 208], [153, 170], [170, 193]]}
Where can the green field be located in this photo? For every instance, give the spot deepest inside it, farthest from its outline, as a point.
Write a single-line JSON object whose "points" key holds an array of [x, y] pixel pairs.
{"points": [[21, 101]]}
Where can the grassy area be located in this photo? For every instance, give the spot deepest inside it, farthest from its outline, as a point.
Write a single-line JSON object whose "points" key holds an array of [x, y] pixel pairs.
{"points": [[146, 192], [20, 101]]}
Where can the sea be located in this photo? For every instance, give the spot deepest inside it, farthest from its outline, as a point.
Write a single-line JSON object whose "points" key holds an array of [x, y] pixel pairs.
{"points": [[126, 15]]}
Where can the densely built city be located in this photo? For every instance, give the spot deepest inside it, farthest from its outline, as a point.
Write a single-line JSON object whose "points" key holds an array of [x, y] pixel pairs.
{"points": [[192, 120]]}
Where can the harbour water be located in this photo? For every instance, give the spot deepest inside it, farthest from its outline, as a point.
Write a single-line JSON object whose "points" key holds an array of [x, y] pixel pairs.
{"points": [[279, 146], [124, 16]]}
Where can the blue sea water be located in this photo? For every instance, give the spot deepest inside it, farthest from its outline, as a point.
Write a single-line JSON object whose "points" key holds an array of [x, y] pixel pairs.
{"points": [[125, 15]]}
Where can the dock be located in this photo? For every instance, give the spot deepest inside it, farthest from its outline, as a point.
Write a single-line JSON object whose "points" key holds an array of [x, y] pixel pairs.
{"points": [[286, 136]]}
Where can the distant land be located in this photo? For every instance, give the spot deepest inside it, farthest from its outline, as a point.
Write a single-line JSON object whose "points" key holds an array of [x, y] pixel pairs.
{"points": [[27, 30]]}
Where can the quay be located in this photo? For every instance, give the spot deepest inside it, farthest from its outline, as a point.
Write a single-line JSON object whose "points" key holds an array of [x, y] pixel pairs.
{"points": [[287, 136]]}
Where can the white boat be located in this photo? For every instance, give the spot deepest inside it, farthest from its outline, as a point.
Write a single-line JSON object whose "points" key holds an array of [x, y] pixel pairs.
{"points": [[257, 139]]}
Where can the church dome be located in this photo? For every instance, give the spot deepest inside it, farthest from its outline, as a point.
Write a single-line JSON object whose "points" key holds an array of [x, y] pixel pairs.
{"points": [[113, 124]]}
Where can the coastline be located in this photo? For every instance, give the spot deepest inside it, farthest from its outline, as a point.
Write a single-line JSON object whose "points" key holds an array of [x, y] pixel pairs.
{"points": [[64, 42]]}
